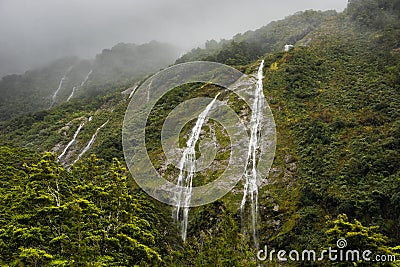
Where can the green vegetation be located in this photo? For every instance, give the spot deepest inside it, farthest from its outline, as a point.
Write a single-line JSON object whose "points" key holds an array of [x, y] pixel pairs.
{"points": [[124, 63], [245, 48], [335, 99], [53, 217]]}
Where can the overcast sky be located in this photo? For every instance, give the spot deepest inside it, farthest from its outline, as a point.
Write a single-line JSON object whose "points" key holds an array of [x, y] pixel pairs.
{"points": [[34, 32]]}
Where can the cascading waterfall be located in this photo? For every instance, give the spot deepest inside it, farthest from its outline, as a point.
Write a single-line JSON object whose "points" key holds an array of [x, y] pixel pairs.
{"points": [[89, 145], [71, 142], [187, 166], [72, 93], [86, 78], [54, 97], [250, 174], [82, 84]]}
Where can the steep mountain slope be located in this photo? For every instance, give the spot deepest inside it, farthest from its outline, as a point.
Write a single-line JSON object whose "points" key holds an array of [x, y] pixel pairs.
{"points": [[36, 90], [125, 62], [335, 98], [247, 47], [72, 77], [336, 106]]}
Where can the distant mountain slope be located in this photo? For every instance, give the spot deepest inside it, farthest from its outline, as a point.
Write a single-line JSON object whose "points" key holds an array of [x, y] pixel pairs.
{"points": [[124, 61], [64, 79], [34, 90]]}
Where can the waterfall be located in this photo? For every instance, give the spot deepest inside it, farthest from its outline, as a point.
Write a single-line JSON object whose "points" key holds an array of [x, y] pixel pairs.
{"points": [[71, 142], [53, 98], [86, 78], [250, 174], [72, 93], [89, 145], [76, 87], [187, 166]]}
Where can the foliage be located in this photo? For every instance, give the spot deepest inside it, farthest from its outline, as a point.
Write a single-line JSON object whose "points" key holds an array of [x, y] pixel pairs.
{"points": [[219, 244], [335, 99], [358, 237], [43, 88], [245, 48], [86, 216]]}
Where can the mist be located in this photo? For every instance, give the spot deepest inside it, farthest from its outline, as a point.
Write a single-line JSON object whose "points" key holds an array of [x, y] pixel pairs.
{"points": [[36, 32]]}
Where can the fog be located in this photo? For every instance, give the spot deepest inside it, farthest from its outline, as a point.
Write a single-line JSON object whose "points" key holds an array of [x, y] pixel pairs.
{"points": [[34, 32]]}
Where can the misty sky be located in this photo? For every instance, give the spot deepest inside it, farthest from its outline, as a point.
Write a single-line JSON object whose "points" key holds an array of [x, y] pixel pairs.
{"points": [[34, 32]]}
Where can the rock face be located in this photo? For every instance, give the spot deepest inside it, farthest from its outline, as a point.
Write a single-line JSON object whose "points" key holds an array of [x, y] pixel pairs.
{"points": [[396, 51], [290, 168]]}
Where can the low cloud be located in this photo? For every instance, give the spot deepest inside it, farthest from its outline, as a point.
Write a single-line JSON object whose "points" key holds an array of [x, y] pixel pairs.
{"points": [[35, 32]]}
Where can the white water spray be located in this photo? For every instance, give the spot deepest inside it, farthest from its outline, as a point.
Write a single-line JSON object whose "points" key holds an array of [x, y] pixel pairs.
{"points": [[251, 186], [89, 145], [187, 167], [71, 142]]}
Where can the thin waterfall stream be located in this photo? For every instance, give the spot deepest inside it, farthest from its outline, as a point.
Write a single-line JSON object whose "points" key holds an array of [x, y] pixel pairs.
{"points": [[71, 142], [54, 96], [76, 87], [187, 166], [91, 142], [251, 186], [86, 78]]}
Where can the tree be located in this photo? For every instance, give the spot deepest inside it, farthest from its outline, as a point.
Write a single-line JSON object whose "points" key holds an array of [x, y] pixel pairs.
{"points": [[358, 237]]}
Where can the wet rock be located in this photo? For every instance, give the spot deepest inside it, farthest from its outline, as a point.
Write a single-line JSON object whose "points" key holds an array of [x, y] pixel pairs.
{"points": [[276, 207], [289, 158], [292, 167]]}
